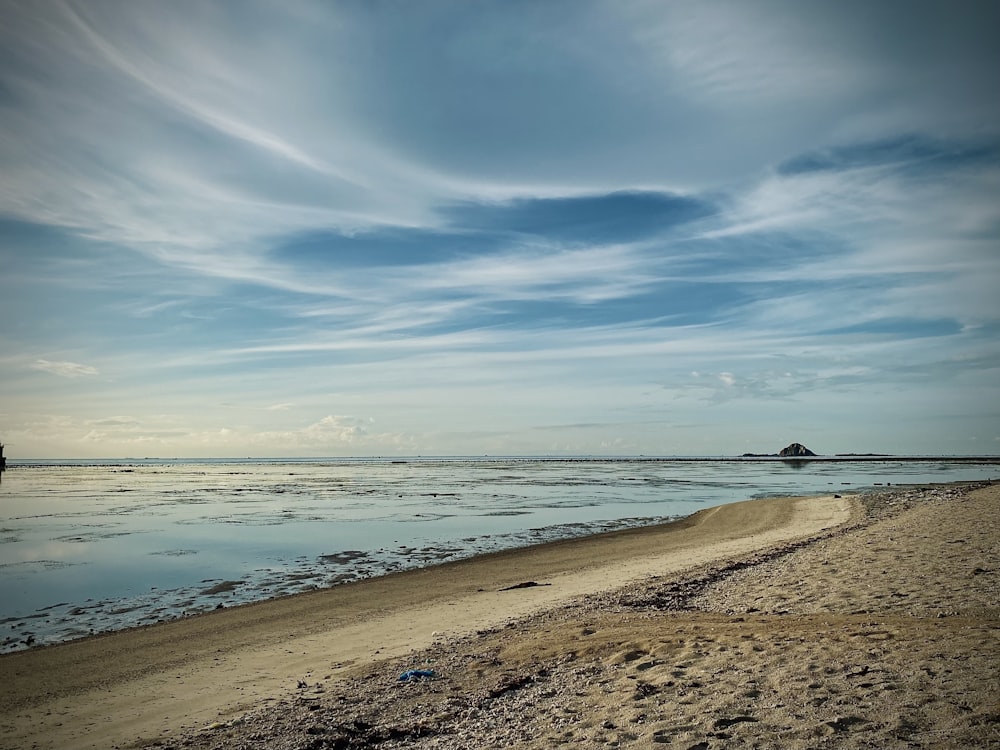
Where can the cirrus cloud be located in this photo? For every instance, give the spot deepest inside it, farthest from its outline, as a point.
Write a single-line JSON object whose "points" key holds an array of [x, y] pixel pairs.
{"points": [[64, 369]]}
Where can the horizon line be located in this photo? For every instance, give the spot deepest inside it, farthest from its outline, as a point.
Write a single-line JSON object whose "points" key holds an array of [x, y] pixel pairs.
{"points": [[536, 457]]}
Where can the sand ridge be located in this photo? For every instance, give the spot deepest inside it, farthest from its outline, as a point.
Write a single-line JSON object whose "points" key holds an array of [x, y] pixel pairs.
{"points": [[152, 681]]}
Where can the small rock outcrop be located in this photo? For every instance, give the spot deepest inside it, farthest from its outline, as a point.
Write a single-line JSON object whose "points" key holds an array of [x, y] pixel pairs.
{"points": [[795, 450]]}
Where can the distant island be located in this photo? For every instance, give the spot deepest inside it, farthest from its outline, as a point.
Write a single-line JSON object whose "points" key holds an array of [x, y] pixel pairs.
{"points": [[865, 455], [795, 450]]}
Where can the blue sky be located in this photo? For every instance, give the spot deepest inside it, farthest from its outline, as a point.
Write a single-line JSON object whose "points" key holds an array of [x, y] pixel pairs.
{"points": [[466, 228]]}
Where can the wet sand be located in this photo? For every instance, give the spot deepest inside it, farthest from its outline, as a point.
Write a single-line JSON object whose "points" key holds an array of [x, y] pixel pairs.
{"points": [[841, 622]]}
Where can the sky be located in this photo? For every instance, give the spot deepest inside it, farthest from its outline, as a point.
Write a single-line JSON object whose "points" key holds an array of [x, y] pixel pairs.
{"points": [[499, 227]]}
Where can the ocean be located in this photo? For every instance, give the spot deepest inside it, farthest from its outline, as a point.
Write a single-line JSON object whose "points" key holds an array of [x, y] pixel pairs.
{"points": [[92, 546]]}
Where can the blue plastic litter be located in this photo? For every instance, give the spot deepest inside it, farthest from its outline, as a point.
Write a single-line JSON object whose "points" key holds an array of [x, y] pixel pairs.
{"points": [[416, 674]]}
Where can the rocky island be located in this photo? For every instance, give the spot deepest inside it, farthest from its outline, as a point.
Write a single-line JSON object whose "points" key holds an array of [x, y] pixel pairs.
{"points": [[795, 450]]}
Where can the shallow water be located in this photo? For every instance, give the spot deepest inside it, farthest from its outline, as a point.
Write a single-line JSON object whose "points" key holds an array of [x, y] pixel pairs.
{"points": [[89, 547]]}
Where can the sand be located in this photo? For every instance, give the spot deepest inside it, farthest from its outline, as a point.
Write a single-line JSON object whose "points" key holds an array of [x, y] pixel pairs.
{"points": [[809, 622]]}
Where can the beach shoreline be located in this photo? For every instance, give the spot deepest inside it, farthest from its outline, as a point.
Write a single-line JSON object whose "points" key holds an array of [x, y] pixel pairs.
{"points": [[102, 548], [318, 667], [189, 672]]}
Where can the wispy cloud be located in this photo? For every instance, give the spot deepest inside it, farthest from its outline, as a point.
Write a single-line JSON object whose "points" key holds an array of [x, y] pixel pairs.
{"points": [[64, 369]]}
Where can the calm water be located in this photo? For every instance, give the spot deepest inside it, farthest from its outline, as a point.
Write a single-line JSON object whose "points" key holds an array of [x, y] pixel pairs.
{"points": [[87, 547]]}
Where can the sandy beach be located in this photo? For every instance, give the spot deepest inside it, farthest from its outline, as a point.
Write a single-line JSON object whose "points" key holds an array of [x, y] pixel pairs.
{"points": [[871, 621]]}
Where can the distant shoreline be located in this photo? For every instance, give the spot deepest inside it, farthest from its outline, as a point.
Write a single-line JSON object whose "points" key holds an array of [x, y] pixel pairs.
{"points": [[14, 463]]}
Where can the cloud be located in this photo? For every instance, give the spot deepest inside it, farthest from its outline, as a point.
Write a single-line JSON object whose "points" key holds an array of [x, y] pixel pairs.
{"points": [[115, 422], [733, 53], [917, 153], [331, 435], [592, 219], [64, 369]]}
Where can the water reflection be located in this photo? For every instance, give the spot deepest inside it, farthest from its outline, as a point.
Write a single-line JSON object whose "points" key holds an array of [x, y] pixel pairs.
{"points": [[99, 546]]}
